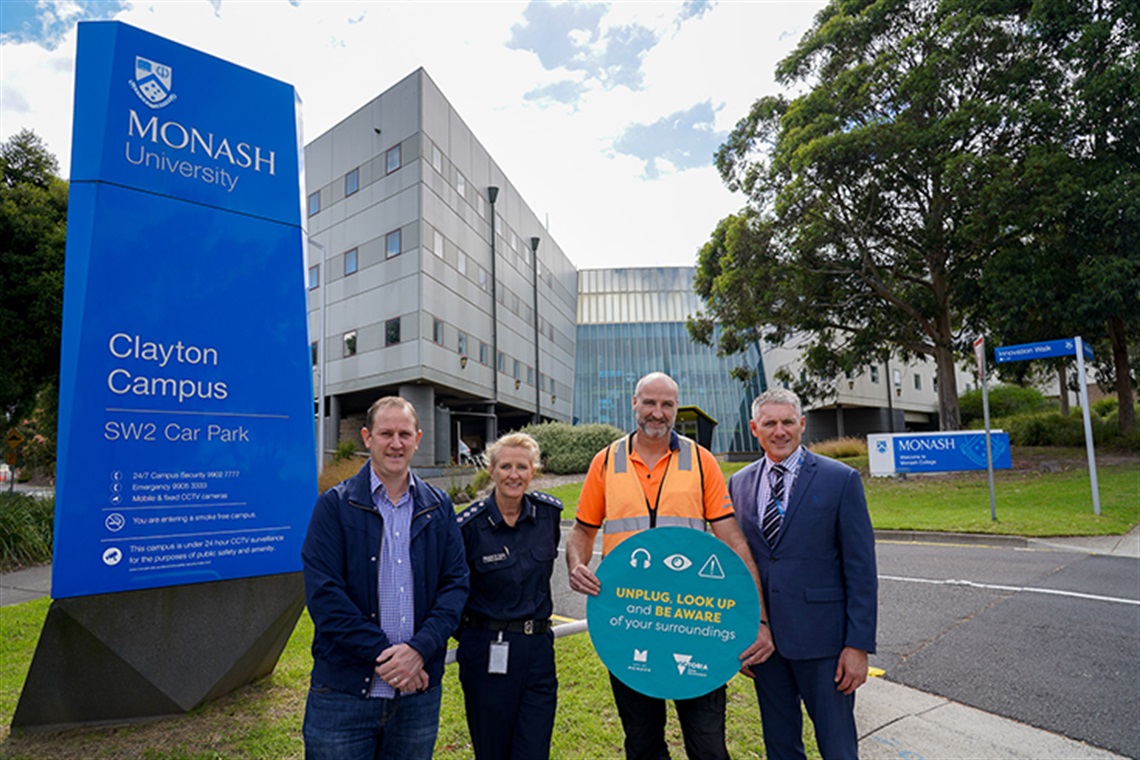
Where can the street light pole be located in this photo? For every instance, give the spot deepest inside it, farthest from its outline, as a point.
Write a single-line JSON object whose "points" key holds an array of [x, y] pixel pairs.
{"points": [[321, 283], [492, 195], [534, 241]]}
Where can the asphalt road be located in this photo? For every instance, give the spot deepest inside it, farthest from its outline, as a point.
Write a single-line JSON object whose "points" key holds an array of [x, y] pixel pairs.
{"points": [[1047, 638]]}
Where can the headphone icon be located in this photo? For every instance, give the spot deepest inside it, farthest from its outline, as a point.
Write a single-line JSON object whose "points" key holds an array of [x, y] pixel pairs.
{"points": [[633, 562]]}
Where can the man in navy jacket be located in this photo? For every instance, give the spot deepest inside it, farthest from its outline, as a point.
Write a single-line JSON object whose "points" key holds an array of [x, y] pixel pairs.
{"points": [[805, 518], [386, 580]]}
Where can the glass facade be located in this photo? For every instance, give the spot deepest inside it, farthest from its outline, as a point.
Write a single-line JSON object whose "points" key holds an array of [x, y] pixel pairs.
{"points": [[632, 322]]}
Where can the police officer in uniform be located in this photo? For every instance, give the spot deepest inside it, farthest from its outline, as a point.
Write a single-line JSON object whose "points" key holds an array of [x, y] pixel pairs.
{"points": [[506, 648]]}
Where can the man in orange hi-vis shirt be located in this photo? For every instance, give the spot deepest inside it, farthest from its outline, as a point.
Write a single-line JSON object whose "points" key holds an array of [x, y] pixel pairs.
{"points": [[655, 478]]}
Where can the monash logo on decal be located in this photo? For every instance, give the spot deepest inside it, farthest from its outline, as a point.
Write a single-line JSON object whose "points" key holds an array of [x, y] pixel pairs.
{"points": [[153, 82], [925, 444]]}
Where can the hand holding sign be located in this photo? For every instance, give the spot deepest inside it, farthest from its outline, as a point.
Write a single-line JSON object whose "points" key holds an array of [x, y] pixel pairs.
{"points": [[676, 608]]}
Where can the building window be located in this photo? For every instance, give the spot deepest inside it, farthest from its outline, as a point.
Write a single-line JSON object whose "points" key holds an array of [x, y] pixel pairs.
{"points": [[437, 242], [392, 331], [552, 388], [392, 244], [482, 278], [436, 159], [481, 205], [875, 375], [461, 263], [352, 182], [350, 343], [437, 331], [502, 362], [917, 381], [460, 185], [350, 262], [313, 352], [484, 351], [314, 276], [314, 203], [463, 344], [392, 159], [515, 370], [530, 375], [896, 375]]}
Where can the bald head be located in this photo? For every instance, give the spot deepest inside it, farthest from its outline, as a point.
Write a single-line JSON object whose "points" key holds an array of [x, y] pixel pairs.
{"points": [[659, 380]]}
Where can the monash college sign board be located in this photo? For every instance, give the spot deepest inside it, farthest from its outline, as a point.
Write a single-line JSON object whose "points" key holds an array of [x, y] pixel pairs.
{"points": [[936, 452], [185, 438]]}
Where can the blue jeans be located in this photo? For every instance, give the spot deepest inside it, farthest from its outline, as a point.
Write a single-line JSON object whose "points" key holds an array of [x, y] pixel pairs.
{"points": [[340, 726]]}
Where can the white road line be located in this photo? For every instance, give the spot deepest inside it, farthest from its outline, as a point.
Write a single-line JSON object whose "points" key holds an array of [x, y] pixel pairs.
{"points": [[996, 587]]}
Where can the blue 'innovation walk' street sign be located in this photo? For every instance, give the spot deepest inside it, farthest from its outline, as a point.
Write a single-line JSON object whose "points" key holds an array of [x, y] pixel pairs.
{"points": [[1043, 350], [1063, 347]]}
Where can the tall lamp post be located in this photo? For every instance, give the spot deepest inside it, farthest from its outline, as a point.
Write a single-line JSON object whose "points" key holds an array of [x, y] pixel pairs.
{"points": [[534, 241], [492, 196], [320, 360]]}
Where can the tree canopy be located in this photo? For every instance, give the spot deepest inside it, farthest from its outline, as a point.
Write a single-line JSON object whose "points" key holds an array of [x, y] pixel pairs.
{"points": [[930, 141], [33, 228]]}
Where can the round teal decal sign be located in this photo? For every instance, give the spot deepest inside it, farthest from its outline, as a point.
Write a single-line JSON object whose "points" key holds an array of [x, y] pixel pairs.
{"points": [[677, 608]]}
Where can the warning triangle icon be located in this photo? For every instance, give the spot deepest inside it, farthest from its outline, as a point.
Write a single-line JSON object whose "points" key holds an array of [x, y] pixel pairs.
{"points": [[712, 568]]}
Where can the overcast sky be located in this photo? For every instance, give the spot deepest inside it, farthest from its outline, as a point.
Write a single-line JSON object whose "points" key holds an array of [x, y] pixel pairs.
{"points": [[605, 116]]}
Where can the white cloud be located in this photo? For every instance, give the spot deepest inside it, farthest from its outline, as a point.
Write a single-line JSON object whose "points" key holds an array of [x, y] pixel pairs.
{"points": [[560, 155]]}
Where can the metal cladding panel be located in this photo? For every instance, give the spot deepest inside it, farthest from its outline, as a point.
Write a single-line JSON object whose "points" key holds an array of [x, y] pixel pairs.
{"points": [[186, 449]]}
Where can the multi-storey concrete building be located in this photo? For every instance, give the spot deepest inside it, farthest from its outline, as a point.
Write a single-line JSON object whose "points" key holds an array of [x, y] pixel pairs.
{"points": [[412, 294]]}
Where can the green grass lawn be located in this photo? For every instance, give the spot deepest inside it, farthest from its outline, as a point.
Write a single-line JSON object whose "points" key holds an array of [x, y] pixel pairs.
{"points": [[1029, 502], [263, 720]]}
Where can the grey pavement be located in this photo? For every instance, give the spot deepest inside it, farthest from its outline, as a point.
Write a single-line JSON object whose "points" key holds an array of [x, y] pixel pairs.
{"points": [[894, 721]]}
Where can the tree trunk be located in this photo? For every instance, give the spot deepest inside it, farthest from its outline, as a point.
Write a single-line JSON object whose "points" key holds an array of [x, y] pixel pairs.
{"points": [[1063, 384], [949, 417], [1126, 419]]}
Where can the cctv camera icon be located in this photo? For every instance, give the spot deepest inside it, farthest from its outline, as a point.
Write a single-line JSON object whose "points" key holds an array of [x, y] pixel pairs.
{"points": [[637, 553]]}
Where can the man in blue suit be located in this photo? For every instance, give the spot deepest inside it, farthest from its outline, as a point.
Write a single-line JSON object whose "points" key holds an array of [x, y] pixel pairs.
{"points": [[805, 518]]}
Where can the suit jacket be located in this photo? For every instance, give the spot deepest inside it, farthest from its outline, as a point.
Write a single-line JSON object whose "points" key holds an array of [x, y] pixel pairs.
{"points": [[819, 581]]}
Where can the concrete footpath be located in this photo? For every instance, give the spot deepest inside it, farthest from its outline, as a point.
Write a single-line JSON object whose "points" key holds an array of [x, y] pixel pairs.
{"points": [[894, 721]]}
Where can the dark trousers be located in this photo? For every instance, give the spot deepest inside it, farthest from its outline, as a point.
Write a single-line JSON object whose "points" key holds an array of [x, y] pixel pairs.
{"points": [[643, 719], [510, 715], [781, 684]]}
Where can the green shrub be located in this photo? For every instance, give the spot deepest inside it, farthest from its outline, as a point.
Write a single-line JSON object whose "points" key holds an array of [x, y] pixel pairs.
{"points": [[345, 449], [25, 530], [1052, 429], [569, 448], [841, 448], [1105, 406], [1005, 401], [481, 480]]}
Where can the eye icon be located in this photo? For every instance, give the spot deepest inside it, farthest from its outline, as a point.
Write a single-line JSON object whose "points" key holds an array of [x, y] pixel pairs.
{"points": [[677, 562]]}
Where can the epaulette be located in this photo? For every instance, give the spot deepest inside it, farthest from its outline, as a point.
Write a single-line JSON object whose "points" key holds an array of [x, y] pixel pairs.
{"points": [[471, 511], [545, 498]]}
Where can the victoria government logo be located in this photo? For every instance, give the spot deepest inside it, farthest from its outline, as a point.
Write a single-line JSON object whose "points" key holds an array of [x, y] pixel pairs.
{"points": [[153, 82]]}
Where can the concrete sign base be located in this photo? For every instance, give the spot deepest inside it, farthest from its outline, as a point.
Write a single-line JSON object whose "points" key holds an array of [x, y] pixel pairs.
{"points": [[118, 658]]}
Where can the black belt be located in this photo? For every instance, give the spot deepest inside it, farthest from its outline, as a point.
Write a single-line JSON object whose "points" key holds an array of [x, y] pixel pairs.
{"points": [[528, 627]]}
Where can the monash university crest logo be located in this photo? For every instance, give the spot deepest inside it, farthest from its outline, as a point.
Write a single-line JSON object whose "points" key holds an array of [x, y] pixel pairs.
{"points": [[153, 82]]}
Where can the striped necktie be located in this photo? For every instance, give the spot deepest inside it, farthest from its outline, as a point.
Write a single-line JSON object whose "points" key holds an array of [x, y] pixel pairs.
{"points": [[772, 516]]}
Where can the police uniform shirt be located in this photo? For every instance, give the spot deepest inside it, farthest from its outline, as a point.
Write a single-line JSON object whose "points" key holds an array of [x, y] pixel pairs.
{"points": [[511, 565]]}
